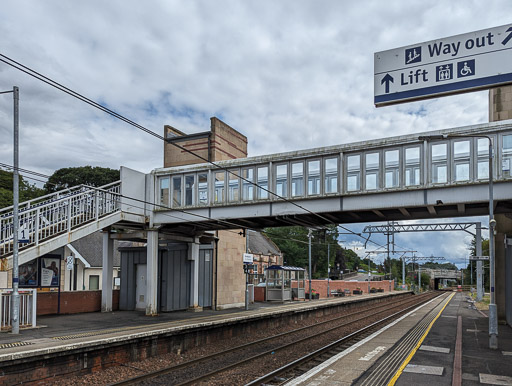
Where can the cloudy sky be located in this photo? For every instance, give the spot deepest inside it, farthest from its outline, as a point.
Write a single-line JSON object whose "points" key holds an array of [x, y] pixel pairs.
{"points": [[287, 74]]}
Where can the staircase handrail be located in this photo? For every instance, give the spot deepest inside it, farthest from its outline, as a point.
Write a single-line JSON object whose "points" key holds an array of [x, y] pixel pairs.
{"points": [[53, 217], [55, 196]]}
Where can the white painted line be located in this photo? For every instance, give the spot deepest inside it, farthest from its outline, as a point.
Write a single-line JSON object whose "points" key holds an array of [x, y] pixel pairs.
{"points": [[335, 358], [419, 369], [435, 349], [491, 379], [448, 316], [473, 330], [372, 353], [506, 352]]}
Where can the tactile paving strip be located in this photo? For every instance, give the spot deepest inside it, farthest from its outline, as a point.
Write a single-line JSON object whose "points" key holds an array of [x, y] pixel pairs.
{"points": [[92, 333], [14, 344]]}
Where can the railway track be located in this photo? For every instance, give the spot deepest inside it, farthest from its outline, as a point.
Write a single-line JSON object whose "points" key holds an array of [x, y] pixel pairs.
{"points": [[280, 352]]}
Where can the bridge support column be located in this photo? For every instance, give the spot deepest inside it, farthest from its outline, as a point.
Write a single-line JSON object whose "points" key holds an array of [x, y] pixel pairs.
{"points": [[152, 273], [193, 256], [107, 272], [503, 275]]}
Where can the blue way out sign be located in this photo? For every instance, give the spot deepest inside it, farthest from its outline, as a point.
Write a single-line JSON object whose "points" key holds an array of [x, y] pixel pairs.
{"points": [[453, 65]]}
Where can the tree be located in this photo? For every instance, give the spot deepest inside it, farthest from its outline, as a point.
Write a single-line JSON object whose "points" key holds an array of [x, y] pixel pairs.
{"points": [[27, 191], [86, 175], [293, 243]]}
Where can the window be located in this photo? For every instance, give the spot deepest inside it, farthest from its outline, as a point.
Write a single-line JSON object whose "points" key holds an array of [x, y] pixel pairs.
{"points": [[372, 161], [461, 160], [482, 169], [353, 172], [247, 186], [506, 156], [94, 282], [412, 166], [164, 191], [189, 190], [297, 179], [262, 182], [439, 163], [234, 186], [202, 184], [282, 180], [331, 175], [220, 178], [176, 192], [313, 177], [392, 168]]}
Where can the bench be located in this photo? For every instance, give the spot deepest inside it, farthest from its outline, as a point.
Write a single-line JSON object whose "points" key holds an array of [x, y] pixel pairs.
{"points": [[337, 293]]}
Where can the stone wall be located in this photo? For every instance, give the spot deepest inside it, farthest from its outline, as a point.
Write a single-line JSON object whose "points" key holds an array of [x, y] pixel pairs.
{"points": [[230, 271]]}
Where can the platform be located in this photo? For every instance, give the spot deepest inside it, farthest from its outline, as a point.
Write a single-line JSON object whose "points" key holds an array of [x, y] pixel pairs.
{"points": [[61, 333], [421, 349]]}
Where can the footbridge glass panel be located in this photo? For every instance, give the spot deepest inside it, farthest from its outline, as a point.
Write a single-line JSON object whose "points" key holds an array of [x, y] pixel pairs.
{"points": [[397, 164]]}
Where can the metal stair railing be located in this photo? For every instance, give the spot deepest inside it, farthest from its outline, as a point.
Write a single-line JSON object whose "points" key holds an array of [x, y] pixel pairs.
{"points": [[57, 213]]}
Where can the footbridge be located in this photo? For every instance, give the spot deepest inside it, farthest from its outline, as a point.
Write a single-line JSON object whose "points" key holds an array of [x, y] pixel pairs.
{"points": [[396, 178]]}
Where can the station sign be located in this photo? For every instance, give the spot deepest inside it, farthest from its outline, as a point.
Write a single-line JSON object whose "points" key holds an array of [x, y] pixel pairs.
{"points": [[248, 258], [462, 63]]}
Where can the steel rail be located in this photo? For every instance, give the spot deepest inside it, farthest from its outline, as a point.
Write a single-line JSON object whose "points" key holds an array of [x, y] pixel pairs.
{"points": [[162, 372], [331, 346]]}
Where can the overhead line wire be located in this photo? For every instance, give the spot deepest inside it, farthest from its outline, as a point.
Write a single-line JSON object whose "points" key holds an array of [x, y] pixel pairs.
{"points": [[55, 84]]}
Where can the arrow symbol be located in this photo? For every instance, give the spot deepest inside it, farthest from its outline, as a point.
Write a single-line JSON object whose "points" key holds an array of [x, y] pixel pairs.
{"points": [[504, 42], [387, 79]]}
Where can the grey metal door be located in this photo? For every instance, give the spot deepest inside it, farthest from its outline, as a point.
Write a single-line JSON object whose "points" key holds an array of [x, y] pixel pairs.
{"points": [[205, 277], [175, 279]]}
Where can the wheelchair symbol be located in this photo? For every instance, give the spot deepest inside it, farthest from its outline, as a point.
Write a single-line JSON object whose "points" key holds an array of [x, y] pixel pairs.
{"points": [[465, 70]]}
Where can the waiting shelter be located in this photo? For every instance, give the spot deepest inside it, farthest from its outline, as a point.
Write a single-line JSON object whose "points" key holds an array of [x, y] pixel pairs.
{"points": [[285, 283]]}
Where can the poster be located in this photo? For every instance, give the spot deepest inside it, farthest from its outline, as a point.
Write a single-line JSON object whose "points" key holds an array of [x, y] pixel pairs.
{"points": [[50, 272], [28, 274]]}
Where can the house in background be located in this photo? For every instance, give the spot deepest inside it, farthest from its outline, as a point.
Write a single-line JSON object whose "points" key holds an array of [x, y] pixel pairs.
{"points": [[265, 253], [86, 268]]}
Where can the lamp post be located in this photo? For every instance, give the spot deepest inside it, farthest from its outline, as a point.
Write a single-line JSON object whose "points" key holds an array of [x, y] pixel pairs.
{"points": [[15, 297], [309, 255], [493, 314]]}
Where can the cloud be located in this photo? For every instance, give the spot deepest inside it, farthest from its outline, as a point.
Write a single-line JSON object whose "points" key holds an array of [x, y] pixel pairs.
{"points": [[290, 75]]}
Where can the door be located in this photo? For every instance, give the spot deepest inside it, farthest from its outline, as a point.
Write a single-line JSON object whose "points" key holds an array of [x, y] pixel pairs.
{"points": [[175, 278], [140, 290], [205, 277]]}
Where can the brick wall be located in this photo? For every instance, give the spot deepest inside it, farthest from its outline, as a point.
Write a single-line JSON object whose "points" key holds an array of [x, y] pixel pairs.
{"points": [[72, 302], [500, 103], [226, 143], [320, 286]]}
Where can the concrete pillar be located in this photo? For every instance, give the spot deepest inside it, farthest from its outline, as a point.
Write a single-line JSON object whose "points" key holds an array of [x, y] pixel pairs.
{"points": [[152, 273], [193, 256], [107, 273], [503, 268]]}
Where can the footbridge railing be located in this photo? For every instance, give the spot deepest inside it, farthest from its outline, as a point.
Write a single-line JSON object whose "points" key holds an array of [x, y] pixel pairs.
{"points": [[57, 213]]}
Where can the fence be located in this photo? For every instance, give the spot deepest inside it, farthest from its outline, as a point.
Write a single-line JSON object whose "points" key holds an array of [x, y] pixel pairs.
{"points": [[27, 312]]}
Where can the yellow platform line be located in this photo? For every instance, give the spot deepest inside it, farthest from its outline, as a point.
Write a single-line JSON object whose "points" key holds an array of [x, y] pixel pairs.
{"points": [[413, 351]]}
